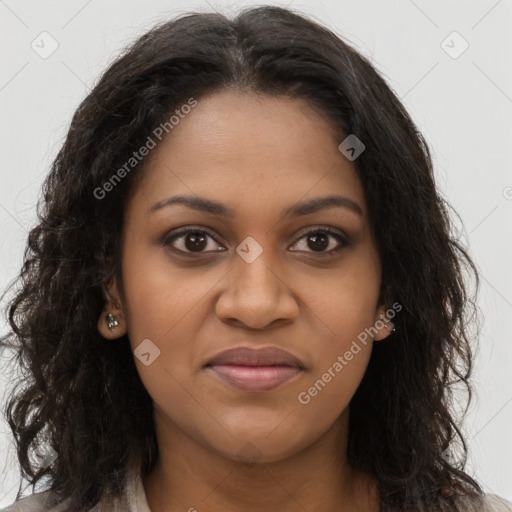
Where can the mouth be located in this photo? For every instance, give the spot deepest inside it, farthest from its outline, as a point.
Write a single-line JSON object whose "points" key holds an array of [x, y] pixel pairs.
{"points": [[255, 370], [254, 378]]}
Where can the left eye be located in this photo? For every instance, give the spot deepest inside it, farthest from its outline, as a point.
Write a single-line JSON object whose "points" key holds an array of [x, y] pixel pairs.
{"points": [[319, 239], [196, 241]]}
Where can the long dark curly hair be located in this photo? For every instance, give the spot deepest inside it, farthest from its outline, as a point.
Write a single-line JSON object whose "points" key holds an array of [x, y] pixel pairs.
{"points": [[72, 391]]}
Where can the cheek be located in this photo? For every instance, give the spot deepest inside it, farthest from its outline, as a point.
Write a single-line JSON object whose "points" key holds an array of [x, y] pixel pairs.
{"points": [[337, 375], [161, 306], [160, 297], [344, 315], [342, 307]]}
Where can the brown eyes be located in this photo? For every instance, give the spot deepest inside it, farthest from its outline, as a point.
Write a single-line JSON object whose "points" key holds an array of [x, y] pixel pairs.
{"points": [[194, 241]]}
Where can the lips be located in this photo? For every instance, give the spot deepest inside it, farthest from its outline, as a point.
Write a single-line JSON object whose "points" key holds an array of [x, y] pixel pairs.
{"points": [[254, 370], [245, 356]]}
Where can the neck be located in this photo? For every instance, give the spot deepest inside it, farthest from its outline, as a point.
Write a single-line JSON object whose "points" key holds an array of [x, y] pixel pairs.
{"points": [[188, 477]]}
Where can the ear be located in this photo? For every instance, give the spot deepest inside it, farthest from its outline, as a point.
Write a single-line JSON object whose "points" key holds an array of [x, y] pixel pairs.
{"points": [[113, 306], [382, 321]]}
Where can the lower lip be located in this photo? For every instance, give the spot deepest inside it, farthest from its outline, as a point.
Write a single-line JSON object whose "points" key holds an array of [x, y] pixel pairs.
{"points": [[254, 378]]}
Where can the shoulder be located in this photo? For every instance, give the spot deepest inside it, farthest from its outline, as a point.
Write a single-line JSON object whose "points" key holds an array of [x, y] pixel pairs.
{"points": [[34, 502], [483, 503], [132, 499], [42, 502], [494, 503]]}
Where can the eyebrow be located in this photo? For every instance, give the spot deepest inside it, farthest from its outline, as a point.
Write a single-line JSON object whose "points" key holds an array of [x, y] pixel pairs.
{"points": [[297, 210]]}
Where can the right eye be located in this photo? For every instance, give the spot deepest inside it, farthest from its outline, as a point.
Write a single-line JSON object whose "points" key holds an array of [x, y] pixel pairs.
{"points": [[190, 241]]}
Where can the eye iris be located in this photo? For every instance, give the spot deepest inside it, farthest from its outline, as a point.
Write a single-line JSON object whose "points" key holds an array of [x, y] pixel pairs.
{"points": [[197, 241], [320, 240]]}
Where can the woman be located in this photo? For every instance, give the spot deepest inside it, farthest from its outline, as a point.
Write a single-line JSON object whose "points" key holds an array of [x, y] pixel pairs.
{"points": [[243, 293]]}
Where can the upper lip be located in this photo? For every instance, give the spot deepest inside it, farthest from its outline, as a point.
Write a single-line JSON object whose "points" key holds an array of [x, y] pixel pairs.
{"points": [[247, 356]]}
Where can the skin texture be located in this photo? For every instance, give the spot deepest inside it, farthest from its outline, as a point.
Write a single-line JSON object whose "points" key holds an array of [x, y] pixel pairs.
{"points": [[258, 155]]}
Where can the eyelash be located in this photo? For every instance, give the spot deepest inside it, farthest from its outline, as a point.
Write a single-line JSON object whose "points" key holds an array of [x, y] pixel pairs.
{"points": [[341, 238]]}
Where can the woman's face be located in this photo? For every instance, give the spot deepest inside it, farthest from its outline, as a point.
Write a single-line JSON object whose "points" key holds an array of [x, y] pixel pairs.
{"points": [[252, 278]]}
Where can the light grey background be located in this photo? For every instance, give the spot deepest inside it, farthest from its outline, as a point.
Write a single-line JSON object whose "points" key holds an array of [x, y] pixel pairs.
{"points": [[462, 105]]}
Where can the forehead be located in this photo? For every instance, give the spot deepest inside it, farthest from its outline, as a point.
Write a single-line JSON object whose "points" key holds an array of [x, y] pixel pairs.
{"points": [[250, 149]]}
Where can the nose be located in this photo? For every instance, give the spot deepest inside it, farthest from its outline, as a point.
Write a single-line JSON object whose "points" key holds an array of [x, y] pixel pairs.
{"points": [[256, 295]]}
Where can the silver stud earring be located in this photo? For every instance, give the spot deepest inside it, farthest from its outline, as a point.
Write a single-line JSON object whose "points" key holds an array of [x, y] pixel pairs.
{"points": [[390, 323], [111, 321]]}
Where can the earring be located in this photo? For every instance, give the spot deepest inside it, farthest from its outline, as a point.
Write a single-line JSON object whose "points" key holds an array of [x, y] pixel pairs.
{"points": [[393, 329], [111, 321], [387, 325]]}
